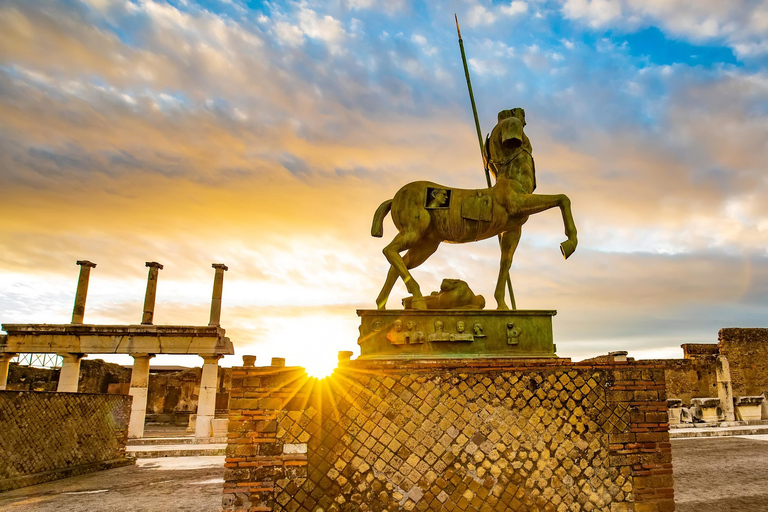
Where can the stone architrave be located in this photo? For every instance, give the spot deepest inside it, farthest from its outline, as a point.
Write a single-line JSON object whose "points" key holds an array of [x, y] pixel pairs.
{"points": [[139, 384], [206, 403], [69, 377], [724, 390], [5, 362]]}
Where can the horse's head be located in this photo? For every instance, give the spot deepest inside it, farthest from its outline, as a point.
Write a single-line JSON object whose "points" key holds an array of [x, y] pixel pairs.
{"points": [[511, 123], [506, 142]]}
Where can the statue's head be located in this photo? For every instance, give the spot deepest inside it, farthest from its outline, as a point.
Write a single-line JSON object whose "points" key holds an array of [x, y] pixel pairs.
{"points": [[398, 325], [511, 123], [516, 112], [460, 326]]}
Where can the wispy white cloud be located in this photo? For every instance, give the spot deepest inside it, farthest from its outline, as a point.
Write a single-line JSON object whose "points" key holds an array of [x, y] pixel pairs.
{"points": [[742, 24]]}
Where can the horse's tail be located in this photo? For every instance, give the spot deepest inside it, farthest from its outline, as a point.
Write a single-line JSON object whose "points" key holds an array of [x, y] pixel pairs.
{"points": [[377, 229]]}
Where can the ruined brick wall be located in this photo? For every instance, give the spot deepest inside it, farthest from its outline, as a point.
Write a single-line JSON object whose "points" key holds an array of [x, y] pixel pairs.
{"points": [[688, 378], [23, 378], [747, 353], [45, 436], [95, 377], [460, 436]]}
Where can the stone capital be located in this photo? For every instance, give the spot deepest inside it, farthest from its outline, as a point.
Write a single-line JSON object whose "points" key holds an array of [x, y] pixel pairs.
{"points": [[70, 357], [154, 264], [142, 356], [214, 359], [86, 263], [219, 266], [6, 357]]}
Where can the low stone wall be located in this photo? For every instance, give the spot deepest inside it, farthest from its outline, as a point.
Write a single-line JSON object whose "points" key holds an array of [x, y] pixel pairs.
{"points": [[45, 436], [464, 435]]}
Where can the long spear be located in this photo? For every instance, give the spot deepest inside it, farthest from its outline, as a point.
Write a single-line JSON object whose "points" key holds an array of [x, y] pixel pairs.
{"points": [[480, 139]]}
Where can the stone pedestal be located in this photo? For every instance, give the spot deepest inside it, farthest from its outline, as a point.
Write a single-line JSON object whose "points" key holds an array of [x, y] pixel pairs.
{"points": [[749, 408], [504, 434], [69, 377], [674, 410], [707, 409], [452, 333], [206, 403], [139, 383], [5, 362]]}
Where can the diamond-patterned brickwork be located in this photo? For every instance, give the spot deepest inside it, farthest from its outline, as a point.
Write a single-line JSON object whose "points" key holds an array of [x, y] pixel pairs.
{"points": [[501, 441], [42, 432]]}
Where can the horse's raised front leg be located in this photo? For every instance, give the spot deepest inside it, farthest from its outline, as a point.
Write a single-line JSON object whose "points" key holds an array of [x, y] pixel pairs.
{"points": [[509, 241], [535, 203]]}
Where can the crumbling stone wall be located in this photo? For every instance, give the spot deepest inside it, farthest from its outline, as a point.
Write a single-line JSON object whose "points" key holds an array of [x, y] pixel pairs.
{"points": [[174, 392], [169, 393], [46, 436], [96, 375], [462, 435], [747, 353], [23, 378], [688, 378]]}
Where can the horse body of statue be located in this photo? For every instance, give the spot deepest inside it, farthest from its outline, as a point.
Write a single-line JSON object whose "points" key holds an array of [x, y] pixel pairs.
{"points": [[427, 214]]}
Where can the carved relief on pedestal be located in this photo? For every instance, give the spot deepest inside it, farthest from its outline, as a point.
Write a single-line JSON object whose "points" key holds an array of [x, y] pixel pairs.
{"points": [[513, 334], [439, 334], [460, 334], [396, 336]]}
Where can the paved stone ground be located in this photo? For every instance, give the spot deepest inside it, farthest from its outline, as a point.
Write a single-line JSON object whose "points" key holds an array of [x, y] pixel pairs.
{"points": [[721, 474], [172, 484], [711, 474]]}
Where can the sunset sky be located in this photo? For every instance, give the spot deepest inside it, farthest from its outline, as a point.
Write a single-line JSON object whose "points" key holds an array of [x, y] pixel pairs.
{"points": [[264, 136]]}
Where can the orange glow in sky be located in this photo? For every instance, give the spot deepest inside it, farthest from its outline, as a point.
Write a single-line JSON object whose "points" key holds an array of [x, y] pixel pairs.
{"points": [[264, 137]]}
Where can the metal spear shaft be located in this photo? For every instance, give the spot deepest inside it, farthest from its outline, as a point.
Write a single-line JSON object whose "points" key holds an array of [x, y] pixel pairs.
{"points": [[480, 139]]}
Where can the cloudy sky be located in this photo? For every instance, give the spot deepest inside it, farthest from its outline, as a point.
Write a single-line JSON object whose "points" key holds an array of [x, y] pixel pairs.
{"points": [[264, 136]]}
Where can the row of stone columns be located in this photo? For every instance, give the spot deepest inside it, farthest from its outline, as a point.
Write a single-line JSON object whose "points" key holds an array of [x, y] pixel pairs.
{"points": [[70, 375]]}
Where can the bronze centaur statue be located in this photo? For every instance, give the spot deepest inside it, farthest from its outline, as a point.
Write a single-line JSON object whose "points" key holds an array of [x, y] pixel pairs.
{"points": [[426, 214]]}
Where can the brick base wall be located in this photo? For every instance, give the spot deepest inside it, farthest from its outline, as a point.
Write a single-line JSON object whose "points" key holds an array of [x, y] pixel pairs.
{"points": [[45, 436], [489, 435]]}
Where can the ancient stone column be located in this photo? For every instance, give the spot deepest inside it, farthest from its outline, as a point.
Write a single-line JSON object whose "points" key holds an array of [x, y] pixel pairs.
{"points": [[218, 283], [139, 383], [82, 290], [5, 362], [69, 377], [149, 297], [206, 403], [724, 390]]}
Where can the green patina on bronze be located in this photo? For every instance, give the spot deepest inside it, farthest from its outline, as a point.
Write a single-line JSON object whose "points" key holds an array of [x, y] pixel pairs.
{"points": [[452, 333], [427, 214]]}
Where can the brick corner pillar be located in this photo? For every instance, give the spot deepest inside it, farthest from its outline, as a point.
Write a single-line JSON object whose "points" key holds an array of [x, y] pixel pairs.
{"points": [[5, 362], [206, 403], [139, 385], [69, 377]]}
